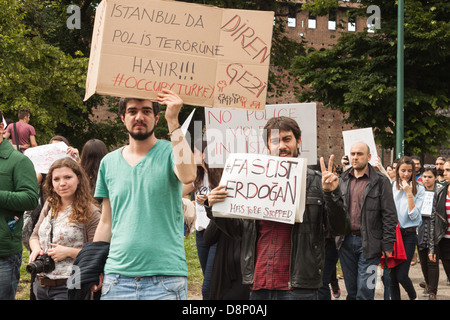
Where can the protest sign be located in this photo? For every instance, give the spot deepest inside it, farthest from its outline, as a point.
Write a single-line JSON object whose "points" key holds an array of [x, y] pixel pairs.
{"points": [[361, 135], [187, 122], [263, 187], [241, 131], [427, 205], [44, 156], [209, 56]]}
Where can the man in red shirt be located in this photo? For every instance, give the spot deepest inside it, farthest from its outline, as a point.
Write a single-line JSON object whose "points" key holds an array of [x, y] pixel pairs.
{"points": [[282, 261], [26, 135]]}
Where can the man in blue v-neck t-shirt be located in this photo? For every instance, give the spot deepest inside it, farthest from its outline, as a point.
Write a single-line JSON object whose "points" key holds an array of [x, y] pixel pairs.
{"points": [[142, 214]]}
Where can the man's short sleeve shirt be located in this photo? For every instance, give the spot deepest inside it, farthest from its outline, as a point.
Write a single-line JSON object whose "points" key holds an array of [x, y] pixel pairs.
{"points": [[147, 213]]}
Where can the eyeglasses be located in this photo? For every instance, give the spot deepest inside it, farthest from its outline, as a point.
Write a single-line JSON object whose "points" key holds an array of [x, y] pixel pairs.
{"points": [[429, 166]]}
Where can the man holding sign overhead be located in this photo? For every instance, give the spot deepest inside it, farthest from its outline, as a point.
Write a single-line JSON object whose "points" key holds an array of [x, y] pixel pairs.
{"points": [[285, 261], [143, 221]]}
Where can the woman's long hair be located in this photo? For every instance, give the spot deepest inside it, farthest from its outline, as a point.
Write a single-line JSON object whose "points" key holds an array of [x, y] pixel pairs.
{"points": [[214, 174], [83, 197], [409, 161], [93, 152]]}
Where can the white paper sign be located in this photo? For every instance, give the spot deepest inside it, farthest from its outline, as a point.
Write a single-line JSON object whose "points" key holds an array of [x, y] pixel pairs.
{"points": [[361, 135], [427, 206], [241, 131], [44, 156], [187, 122], [263, 187]]}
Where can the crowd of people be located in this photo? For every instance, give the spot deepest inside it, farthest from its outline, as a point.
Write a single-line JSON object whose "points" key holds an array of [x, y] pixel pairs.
{"points": [[123, 214]]}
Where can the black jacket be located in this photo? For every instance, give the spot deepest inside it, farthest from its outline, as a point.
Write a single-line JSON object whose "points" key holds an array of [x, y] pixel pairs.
{"points": [[439, 222], [378, 213], [308, 238], [87, 267]]}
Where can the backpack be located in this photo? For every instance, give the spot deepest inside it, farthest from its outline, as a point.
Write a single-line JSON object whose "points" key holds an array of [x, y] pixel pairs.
{"points": [[30, 218]]}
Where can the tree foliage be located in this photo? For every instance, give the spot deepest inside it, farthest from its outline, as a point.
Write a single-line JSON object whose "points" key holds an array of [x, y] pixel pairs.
{"points": [[358, 75]]}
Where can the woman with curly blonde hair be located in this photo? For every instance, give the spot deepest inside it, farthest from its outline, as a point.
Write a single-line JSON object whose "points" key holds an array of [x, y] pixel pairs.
{"points": [[67, 221]]}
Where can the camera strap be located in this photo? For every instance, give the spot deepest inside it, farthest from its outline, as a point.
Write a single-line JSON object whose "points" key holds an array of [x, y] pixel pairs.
{"points": [[52, 221]]}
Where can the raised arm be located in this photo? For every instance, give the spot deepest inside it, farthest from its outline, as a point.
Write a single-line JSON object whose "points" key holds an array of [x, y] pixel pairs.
{"points": [[185, 168]]}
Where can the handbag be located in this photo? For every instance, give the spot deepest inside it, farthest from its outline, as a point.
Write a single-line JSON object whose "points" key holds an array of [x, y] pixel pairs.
{"points": [[398, 255]]}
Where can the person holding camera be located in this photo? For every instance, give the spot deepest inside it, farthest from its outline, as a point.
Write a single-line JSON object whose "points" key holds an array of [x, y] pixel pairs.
{"points": [[67, 221]]}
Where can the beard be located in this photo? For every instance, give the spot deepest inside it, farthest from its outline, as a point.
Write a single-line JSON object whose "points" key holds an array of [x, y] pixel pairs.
{"points": [[295, 153], [140, 136], [440, 172]]}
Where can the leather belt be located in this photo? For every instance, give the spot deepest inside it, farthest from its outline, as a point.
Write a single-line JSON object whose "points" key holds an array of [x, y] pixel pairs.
{"points": [[355, 233], [409, 230], [47, 282]]}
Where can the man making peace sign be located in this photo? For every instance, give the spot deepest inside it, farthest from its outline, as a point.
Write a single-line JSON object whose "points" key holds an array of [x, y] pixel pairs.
{"points": [[283, 261]]}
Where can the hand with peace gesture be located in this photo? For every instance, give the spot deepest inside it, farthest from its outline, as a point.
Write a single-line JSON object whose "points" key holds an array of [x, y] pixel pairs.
{"points": [[329, 180]]}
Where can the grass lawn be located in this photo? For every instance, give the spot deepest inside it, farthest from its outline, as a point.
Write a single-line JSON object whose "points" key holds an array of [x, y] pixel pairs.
{"points": [[195, 277]]}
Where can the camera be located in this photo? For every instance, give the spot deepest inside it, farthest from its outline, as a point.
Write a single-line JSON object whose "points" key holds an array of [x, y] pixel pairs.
{"points": [[42, 263], [346, 160]]}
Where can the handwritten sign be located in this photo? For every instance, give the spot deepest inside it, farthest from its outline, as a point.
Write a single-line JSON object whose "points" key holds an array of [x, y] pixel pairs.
{"points": [[241, 131], [263, 187], [361, 135], [427, 205], [209, 56], [44, 156]]}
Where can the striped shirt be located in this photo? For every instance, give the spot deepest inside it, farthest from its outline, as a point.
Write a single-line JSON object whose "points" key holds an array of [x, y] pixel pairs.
{"points": [[447, 209]]}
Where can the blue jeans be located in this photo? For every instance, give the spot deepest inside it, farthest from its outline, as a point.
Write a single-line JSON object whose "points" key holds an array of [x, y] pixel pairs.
{"points": [[360, 274], [400, 274], [294, 294], [206, 256], [117, 287], [9, 276]]}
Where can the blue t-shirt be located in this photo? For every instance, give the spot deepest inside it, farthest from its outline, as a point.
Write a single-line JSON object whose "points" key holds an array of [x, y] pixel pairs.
{"points": [[147, 213]]}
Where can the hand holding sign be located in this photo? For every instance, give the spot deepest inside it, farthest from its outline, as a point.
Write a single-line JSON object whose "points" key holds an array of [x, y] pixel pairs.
{"points": [[217, 195], [173, 103], [329, 180]]}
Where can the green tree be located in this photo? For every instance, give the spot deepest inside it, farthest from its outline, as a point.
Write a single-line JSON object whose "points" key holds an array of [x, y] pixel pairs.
{"points": [[37, 75], [358, 75], [44, 66]]}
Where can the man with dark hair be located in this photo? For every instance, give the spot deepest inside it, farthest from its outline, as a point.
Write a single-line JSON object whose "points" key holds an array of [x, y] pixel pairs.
{"points": [[23, 131], [419, 168], [440, 161], [18, 192], [142, 212], [282, 261]]}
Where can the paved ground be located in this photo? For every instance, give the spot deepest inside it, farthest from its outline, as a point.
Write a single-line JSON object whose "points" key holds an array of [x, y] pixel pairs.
{"points": [[415, 273]]}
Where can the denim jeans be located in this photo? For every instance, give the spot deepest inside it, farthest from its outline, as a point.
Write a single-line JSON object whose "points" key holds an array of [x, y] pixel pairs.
{"points": [[118, 287], [9, 276], [206, 256], [294, 294], [400, 274], [360, 274], [50, 293]]}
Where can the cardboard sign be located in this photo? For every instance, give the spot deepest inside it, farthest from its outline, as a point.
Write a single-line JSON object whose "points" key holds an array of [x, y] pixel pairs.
{"points": [[263, 187], [361, 135], [44, 156], [241, 131], [427, 205], [207, 55]]}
